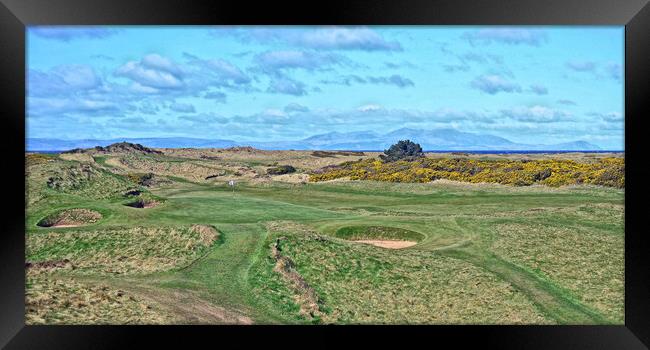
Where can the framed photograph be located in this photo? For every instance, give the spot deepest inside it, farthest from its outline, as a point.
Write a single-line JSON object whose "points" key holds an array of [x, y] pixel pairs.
{"points": [[466, 171]]}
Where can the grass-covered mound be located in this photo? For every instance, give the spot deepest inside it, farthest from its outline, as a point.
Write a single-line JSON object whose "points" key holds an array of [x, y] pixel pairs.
{"points": [[70, 218], [123, 250], [608, 172], [160, 166], [50, 175], [119, 147], [355, 233], [356, 283]]}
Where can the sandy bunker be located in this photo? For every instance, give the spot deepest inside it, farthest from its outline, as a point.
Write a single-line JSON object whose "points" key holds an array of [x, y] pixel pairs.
{"points": [[388, 244], [142, 204], [70, 218], [380, 236]]}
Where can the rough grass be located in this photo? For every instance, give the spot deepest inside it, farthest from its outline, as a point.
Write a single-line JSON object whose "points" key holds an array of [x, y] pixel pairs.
{"points": [[364, 284], [121, 250], [66, 301], [432, 282], [45, 178], [189, 170], [587, 262]]}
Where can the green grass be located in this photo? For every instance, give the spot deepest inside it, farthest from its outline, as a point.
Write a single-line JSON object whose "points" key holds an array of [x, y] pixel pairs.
{"points": [[119, 250], [364, 284], [485, 253]]}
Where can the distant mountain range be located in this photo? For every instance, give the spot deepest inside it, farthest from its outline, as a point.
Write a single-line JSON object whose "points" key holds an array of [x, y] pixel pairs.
{"points": [[430, 140], [42, 144]]}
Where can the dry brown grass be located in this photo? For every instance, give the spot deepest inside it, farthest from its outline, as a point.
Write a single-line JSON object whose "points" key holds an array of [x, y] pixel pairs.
{"points": [[121, 250], [187, 306], [79, 157], [304, 160], [66, 301], [193, 171], [207, 233]]}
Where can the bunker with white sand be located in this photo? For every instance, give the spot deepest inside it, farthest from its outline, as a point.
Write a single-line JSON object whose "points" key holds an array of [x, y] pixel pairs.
{"points": [[380, 236]]}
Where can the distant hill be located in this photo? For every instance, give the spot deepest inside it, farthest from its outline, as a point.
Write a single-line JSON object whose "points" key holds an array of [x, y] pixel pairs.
{"points": [[430, 140], [41, 144], [120, 147]]}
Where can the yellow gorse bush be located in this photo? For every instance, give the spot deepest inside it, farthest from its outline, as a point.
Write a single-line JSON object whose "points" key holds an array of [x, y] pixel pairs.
{"points": [[36, 158], [605, 172]]}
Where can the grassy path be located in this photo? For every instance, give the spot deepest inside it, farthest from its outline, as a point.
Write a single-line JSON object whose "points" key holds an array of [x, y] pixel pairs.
{"points": [[221, 276], [551, 300], [218, 279]]}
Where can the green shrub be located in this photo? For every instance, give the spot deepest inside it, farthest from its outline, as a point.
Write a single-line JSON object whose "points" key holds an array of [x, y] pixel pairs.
{"points": [[280, 170]]}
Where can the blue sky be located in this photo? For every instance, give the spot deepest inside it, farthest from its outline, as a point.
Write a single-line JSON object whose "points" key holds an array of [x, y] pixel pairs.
{"points": [[538, 85]]}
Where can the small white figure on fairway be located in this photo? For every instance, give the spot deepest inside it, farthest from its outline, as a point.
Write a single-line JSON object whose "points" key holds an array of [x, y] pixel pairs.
{"points": [[231, 183]]}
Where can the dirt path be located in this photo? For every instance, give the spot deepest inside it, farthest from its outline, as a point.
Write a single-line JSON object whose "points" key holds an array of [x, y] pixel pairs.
{"points": [[550, 299], [187, 306]]}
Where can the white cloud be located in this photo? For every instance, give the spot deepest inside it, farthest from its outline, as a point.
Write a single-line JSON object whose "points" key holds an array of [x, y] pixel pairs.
{"points": [[348, 39], [370, 108], [329, 38], [506, 35], [182, 107], [62, 80], [295, 107], [493, 84], [70, 33], [284, 85], [536, 114], [153, 71], [581, 66], [291, 59], [539, 89]]}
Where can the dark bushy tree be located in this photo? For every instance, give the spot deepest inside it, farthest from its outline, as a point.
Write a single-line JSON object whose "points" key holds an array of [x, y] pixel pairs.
{"points": [[402, 150]]}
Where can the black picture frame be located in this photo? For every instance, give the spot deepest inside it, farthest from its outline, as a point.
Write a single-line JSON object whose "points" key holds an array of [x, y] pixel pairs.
{"points": [[15, 15]]}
